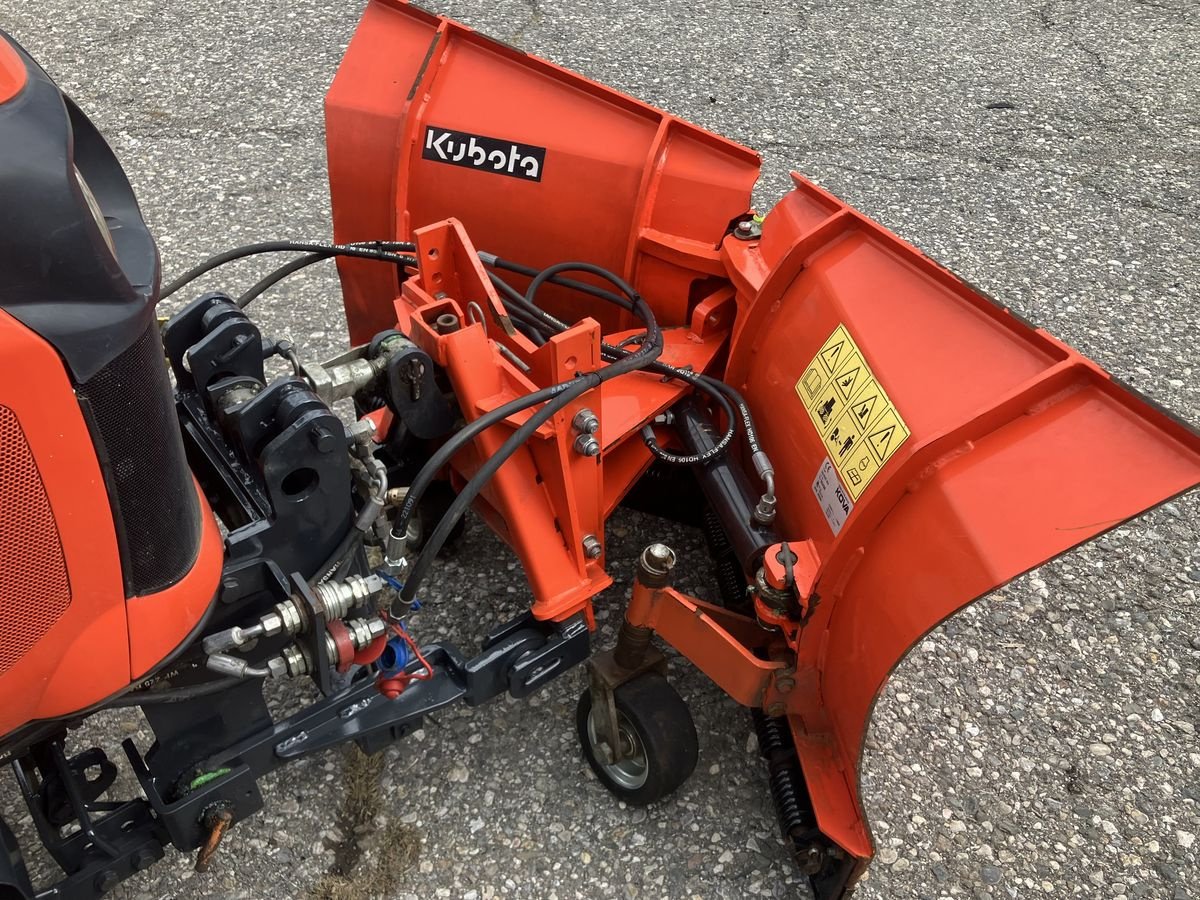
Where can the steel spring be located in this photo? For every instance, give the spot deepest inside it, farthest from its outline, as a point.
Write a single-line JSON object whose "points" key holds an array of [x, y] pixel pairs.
{"points": [[793, 807], [774, 735], [730, 579]]}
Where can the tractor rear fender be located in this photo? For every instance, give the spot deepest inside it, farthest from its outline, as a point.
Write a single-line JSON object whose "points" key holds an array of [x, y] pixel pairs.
{"points": [[928, 441]]}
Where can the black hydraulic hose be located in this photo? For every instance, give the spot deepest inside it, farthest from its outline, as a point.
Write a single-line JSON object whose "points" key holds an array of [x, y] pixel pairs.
{"points": [[270, 280], [650, 350], [721, 391], [744, 411], [467, 496], [174, 695], [516, 310], [529, 326], [521, 309], [516, 300], [555, 270], [338, 556], [462, 437], [758, 457], [581, 286], [708, 385], [382, 250]]}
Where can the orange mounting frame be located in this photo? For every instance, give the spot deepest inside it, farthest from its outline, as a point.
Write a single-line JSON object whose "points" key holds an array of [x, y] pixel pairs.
{"points": [[1005, 447], [547, 498]]}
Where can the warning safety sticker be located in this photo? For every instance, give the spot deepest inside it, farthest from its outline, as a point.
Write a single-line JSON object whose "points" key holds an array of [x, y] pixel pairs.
{"points": [[853, 415]]}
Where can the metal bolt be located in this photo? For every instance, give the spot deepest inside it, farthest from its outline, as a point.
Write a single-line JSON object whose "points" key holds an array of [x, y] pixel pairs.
{"points": [[810, 859], [586, 421], [747, 230], [106, 881], [784, 685], [587, 445], [143, 859], [591, 547], [323, 439], [776, 709], [447, 323]]}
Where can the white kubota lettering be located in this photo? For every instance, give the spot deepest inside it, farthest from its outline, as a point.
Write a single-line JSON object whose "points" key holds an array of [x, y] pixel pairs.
{"points": [[467, 150]]}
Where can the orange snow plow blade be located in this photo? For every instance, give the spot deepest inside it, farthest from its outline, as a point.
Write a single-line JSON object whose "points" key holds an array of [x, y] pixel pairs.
{"points": [[928, 444], [933, 447]]}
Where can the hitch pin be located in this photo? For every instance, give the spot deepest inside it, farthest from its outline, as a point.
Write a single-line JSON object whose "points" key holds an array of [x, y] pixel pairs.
{"points": [[218, 822]]}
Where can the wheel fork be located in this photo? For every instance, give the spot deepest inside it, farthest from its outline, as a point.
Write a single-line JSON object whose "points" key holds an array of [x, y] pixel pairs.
{"points": [[632, 656]]}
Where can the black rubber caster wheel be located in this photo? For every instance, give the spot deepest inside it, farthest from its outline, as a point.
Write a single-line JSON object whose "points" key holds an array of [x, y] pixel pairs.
{"points": [[657, 734]]}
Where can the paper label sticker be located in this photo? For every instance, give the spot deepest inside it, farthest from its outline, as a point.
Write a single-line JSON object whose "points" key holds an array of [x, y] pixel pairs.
{"points": [[857, 421], [832, 497]]}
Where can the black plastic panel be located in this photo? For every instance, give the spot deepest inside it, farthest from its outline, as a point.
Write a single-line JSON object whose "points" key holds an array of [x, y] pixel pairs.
{"points": [[130, 407]]}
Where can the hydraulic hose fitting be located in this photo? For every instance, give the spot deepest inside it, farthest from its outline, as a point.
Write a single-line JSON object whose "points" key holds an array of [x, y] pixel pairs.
{"points": [[224, 664], [764, 512], [395, 552], [352, 636], [296, 660], [361, 433], [339, 597]]}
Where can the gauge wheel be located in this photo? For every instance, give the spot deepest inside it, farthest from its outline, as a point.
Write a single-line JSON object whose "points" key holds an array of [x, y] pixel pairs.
{"points": [[658, 739]]}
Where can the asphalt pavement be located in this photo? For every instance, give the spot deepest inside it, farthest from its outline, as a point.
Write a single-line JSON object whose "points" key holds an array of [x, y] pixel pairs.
{"points": [[1042, 742]]}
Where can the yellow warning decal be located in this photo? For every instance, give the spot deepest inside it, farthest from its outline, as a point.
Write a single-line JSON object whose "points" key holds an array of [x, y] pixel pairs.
{"points": [[852, 413]]}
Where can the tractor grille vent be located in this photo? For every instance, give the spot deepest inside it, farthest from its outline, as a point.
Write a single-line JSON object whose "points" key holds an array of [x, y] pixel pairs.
{"points": [[34, 588], [132, 410]]}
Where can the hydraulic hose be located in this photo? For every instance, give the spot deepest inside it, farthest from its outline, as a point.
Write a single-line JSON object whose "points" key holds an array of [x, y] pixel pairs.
{"points": [[381, 250], [526, 305], [650, 350], [273, 278], [491, 259]]}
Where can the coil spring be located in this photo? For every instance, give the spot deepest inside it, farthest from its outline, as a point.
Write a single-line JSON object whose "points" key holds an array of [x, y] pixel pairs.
{"points": [[793, 806], [730, 580]]}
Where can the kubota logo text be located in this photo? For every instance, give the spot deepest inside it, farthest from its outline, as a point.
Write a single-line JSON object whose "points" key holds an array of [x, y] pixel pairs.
{"points": [[484, 153]]}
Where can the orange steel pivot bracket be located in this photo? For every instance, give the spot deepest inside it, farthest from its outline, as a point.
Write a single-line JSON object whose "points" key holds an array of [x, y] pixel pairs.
{"points": [[549, 501]]}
